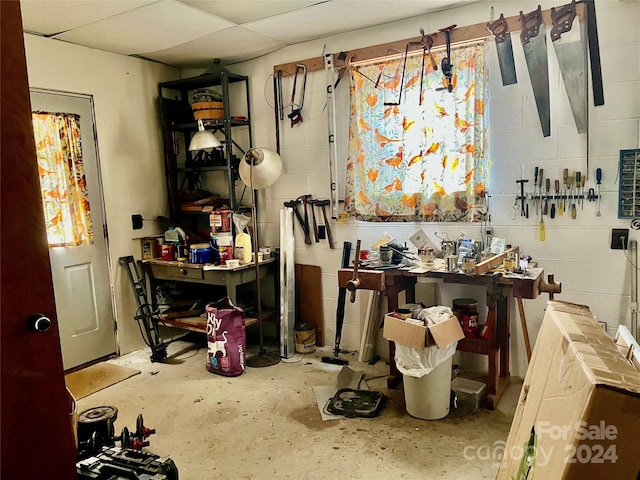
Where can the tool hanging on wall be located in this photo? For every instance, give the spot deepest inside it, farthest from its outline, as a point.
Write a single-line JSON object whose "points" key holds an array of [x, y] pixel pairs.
{"points": [[293, 204], [446, 65], [279, 102], [313, 216], [598, 182], [534, 44], [524, 208], [542, 232], [500, 30], [322, 204], [296, 107], [427, 42], [568, 37], [332, 127]]}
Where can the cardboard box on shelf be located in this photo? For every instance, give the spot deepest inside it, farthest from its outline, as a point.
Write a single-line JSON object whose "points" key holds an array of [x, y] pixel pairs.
{"points": [[420, 336], [578, 414]]}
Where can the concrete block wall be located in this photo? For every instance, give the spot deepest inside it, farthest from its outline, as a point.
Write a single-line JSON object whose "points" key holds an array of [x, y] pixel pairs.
{"points": [[576, 251]]}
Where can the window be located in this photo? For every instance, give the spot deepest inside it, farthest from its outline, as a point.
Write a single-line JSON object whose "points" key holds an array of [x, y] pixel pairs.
{"points": [[62, 179], [416, 150]]}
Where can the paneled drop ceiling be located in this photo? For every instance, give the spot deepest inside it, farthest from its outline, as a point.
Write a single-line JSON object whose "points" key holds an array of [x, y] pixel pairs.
{"points": [[190, 33]]}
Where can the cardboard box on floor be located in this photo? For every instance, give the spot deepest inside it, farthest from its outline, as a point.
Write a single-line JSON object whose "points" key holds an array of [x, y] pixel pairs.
{"points": [[578, 414], [420, 336]]}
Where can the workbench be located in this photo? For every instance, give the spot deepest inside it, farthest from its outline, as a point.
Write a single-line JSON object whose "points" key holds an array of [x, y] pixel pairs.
{"points": [[231, 278], [499, 288]]}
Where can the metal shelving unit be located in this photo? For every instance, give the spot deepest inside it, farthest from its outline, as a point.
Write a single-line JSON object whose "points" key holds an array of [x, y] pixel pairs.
{"points": [[179, 125]]}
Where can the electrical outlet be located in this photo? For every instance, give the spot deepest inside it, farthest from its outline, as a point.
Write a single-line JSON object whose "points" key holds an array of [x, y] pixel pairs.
{"points": [[619, 238], [136, 221]]}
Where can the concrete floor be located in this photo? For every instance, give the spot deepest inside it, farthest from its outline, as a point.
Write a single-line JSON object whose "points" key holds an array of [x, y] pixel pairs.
{"points": [[265, 424]]}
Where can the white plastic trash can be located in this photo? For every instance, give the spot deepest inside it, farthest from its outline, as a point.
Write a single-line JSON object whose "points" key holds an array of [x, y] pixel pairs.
{"points": [[428, 397]]}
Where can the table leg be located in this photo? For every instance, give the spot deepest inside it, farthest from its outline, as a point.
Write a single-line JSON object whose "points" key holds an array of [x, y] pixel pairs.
{"points": [[395, 377], [503, 311], [492, 355]]}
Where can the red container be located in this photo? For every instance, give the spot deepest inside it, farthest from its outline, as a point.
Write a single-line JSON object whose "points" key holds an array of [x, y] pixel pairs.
{"points": [[167, 252], [220, 220], [466, 309]]}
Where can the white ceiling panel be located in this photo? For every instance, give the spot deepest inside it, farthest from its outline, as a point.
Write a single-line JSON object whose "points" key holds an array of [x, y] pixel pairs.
{"points": [[330, 18], [233, 45], [48, 17], [190, 33], [152, 27], [248, 10]]}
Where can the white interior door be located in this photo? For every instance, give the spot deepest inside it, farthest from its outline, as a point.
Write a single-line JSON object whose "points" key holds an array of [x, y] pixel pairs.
{"points": [[81, 274]]}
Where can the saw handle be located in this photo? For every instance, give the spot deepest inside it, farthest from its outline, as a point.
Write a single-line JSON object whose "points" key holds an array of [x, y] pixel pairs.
{"points": [[562, 19], [499, 28], [530, 23]]}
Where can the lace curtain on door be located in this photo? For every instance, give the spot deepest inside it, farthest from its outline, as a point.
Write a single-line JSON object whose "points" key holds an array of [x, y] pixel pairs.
{"points": [[62, 179], [422, 159]]}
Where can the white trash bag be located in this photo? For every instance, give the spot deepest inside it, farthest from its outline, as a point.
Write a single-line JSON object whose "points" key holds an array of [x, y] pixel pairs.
{"points": [[416, 362]]}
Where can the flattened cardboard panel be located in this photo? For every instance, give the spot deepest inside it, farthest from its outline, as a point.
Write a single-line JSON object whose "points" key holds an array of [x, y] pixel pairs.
{"points": [[309, 298]]}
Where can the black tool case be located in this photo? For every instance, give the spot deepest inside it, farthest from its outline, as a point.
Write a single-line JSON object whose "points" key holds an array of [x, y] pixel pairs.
{"points": [[113, 463]]}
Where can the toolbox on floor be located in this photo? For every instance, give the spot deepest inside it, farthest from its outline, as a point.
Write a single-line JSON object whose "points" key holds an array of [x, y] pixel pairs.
{"points": [[113, 463]]}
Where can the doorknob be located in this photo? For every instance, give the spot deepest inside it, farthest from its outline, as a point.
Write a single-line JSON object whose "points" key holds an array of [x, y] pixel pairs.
{"points": [[38, 323]]}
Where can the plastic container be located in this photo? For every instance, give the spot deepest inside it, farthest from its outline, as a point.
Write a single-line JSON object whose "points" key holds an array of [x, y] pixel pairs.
{"points": [[201, 253], [174, 235], [469, 392], [243, 247], [429, 397]]}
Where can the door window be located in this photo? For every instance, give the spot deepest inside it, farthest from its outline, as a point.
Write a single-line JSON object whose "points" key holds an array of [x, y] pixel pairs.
{"points": [[62, 179]]}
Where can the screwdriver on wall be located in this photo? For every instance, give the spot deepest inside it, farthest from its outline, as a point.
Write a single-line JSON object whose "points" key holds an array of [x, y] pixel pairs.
{"points": [[547, 187], [556, 199], [598, 182], [540, 178], [542, 233], [565, 176], [535, 186], [578, 183]]}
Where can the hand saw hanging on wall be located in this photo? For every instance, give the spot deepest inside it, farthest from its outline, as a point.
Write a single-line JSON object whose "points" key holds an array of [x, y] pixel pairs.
{"points": [[534, 44], [570, 43], [500, 30]]}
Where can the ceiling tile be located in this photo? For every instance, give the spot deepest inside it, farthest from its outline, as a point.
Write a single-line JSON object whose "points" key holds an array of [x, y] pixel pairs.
{"points": [[232, 45], [330, 18], [48, 17], [152, 27], [248, 10]]}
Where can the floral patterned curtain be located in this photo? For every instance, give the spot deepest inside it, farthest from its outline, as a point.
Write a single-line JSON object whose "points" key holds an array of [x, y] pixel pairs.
{"points": [[416, 150], [62, 179]]}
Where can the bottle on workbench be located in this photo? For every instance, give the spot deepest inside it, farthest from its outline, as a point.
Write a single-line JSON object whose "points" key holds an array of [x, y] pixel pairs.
{"points": [[176, 238], [243, 239]]}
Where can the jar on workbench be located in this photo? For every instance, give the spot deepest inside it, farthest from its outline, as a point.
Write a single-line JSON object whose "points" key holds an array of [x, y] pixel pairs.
{"points": [[466, 309]]}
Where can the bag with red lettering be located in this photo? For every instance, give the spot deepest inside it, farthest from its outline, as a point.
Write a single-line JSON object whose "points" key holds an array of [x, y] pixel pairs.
{"points": [[226, 338]]}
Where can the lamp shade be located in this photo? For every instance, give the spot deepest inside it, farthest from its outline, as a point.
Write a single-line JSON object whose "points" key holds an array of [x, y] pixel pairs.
{"points": [[204, 140], [260, 168]]}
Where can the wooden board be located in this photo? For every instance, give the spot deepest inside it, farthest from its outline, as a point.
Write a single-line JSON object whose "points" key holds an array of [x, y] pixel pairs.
{"points": [[494, 261], [309, 298], [462, 34]]}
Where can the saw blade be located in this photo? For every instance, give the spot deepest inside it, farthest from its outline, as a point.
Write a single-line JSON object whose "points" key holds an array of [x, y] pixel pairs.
{"points": [[534, 44], [568, 36], [499, 28]]}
